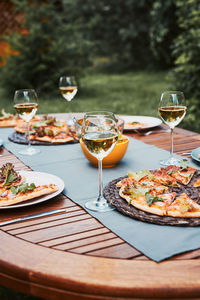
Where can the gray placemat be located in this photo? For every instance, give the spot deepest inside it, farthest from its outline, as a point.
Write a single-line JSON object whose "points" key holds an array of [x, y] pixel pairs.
{"points": [[81, 184]]}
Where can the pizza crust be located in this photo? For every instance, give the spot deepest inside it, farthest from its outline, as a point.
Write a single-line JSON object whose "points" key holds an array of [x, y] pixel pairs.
{"points": [[139, 193], [140, 203], [49, 139], [7, 123], [20, 197]]}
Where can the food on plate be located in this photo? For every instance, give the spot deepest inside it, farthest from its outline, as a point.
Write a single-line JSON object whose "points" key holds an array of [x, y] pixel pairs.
{"points": [[8, 176], [134, 125], [168, 191], [14, 188], [47, 129], [10, 120], [7, 119]]}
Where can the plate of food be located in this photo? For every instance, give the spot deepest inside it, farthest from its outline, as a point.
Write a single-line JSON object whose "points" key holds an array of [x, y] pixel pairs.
{"points": [[140, 122], [24, 188], [165, 196], [196, 154], [10, 120], [7, 119], [44, 131]]}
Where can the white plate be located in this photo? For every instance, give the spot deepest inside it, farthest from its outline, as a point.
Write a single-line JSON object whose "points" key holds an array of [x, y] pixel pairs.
{"points": [[195, 154], [149, 121], [39, 178]]}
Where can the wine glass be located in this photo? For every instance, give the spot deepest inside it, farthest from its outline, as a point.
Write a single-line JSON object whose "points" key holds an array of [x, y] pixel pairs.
{"points": [[26, 104], [172, 110], [68, 89], [99, 135]]}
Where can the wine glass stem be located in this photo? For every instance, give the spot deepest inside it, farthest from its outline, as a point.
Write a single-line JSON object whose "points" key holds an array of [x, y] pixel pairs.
{"points": [[172, 142], [28, 134], [100, 180]]}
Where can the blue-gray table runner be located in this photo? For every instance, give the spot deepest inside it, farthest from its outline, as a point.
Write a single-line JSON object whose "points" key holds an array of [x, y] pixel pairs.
{"points": [[81, 184]]}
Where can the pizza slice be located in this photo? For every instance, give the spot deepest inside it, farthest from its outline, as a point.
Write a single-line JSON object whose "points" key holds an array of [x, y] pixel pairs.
{"points": [[163, 177], [196, 183], [147, 199], [140, 202], [182, 174], [25, 192], [126, 181], [183, 206], [7, 119], [52, 137]]}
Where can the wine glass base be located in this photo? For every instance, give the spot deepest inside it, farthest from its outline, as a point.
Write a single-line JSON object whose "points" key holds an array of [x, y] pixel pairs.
{"points": [[29, 151], [100, 206], [171, 161]]}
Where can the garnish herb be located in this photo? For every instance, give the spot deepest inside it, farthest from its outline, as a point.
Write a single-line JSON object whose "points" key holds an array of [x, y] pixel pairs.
{"points": [[22, 188], [139, 175], [4, 114], [184, 164], [8, 175], [150, 199], [171, 172]]}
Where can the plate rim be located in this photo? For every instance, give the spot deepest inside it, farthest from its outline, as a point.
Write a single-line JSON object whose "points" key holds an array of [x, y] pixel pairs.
{"points": [[40, 199], [159, 122], [193, 156]]}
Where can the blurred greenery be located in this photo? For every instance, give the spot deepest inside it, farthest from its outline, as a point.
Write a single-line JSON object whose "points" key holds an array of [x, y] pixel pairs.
{"points": [[135, 93], [53, 46], [66, 37], [186, 48]]}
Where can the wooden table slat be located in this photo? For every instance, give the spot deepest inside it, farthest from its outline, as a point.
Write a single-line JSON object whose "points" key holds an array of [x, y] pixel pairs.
{"points": [[75, 237], [101, 264]]}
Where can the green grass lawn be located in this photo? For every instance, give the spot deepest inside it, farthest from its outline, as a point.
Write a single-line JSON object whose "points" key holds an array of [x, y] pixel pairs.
{"points": [[135, 93]]}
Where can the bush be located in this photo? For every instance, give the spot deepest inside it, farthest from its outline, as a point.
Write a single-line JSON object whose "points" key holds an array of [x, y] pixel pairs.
{"points": [[52, 46], [163, 30], [186, 49], [119, 30]]}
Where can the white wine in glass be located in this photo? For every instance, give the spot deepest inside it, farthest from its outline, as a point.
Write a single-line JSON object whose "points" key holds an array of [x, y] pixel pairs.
{"points": [[172, 110], [26, 104], [99, 135], [68, 89]]}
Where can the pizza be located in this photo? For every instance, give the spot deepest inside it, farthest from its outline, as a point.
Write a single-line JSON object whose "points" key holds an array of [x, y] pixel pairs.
{"points": [[10, 120], [134, 125], [14, 188], [47, 129], [168, 191], [7, 119]]}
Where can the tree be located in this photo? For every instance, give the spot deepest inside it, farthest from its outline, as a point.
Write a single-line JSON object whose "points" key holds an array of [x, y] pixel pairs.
{"points": [[186, 48], [163, 30], [119, 30], [52, 45]]}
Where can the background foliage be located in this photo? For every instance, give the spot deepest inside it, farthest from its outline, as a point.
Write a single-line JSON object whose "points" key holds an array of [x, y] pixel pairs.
{"points": [[68, 36], [52, 46]]}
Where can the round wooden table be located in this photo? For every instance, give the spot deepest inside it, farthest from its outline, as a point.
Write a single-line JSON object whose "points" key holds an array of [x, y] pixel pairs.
{"points": [[71, 255]]}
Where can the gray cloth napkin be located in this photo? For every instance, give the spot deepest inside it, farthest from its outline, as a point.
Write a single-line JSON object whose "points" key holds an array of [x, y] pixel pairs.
{"points": [[81, 184]]}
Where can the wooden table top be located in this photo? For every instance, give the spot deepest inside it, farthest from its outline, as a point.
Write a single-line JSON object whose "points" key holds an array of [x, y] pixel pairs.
{"points": [[71, 255]]}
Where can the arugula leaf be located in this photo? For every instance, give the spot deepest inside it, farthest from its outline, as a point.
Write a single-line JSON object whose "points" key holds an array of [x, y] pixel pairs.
{"points": [[11, 177], [150, 199], [58, 124], [139, 175], [8, 175], [171, 172], [4, 114], [184, 164], [22, 188]]}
